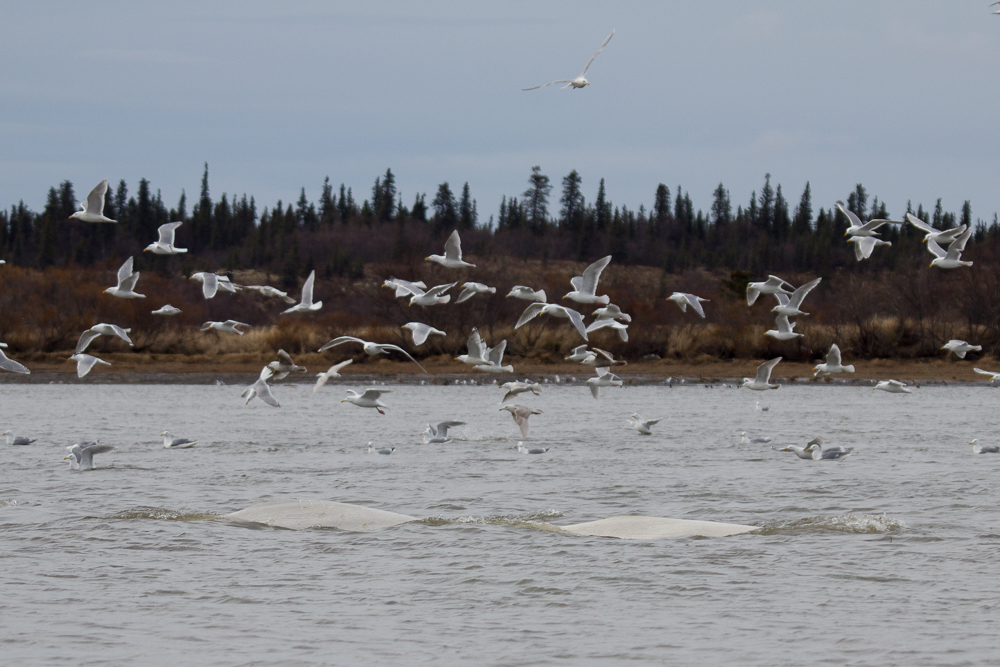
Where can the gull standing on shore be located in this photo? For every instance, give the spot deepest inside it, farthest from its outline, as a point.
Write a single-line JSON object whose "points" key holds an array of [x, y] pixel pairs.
{"points": [[261, 390], [93, 209], [763, 380], [580, 81], [125, 289], [371, 348], [165, 244], [306, 305], [452, 257], [331, 372], [833, 363], [585, 286]]}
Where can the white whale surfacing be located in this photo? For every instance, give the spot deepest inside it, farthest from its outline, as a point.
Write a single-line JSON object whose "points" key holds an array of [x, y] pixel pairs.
{"points": [[299, 514]]}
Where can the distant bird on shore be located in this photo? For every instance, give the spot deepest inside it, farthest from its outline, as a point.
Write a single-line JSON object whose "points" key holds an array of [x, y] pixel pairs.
{"points": [[515, 389], [789, 305], [81, 454], [165, 244], [284, 365], [521, 413], [331, 372], [93, 209], [527, 294], [438, 435], [88, 336], [470, 289], [893, 387], [166, 310], [553, 310], [773, 285], [683, 300], [267, 290], [604, 378], [642, 425], [580, 81], [521, 449], [785, 330], [18, 441], [85, 363], [585, 286], [229, 326], [833, 363], [452, 257], [421, 332], [12, 366], [260, 389], [960, 348], [368, 399], [763, 380], [212, 283], [370, 348], [306, 304], [989, 449], [952, 258], [125, 289], [170, 442], [994, 376]]}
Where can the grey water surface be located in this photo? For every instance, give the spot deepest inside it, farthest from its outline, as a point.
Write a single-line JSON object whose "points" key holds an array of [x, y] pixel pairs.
{"points": [[887, 557]]}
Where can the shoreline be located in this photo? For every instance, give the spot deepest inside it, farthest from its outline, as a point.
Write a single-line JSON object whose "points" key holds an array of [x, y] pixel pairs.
{"points": [[233, 369]]}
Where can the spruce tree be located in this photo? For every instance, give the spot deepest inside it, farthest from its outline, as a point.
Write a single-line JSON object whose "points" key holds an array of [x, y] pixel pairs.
{"points": [[722, 208], [445, 210], [802, 224], [537, 197], [571, 214], [466, 219], [602, 208], [327, 204]]}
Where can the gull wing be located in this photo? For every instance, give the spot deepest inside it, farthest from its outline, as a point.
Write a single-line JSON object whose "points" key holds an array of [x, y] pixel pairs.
{"points": [[935, 249], [784, 326], [695, 303], [598, 51], [340, 341], [263, 391], [920, 224], [496, 353], [782, 298], [477, 348], [861, 253], [605, 354], [833, 356], [439, 290], [442, 428], [121, 333], [167, 232], [266, 373], [453, 247], [550, 83], [593, 273], [86, 338], [520, 414], [467, 293], [124, 271], [284, 358], [95, 200], [87, 362], [978, 370], [234, 323], [530, 313], [752, 294], [577, 319], [855, 220], [651, 422], [872, 225], [307, 289], [210, 285], [96, 448], [764, 370], [373, 394], [958, 245], [401, 350], [797, 297], [420, 332], [11, 365], [129, 283]]}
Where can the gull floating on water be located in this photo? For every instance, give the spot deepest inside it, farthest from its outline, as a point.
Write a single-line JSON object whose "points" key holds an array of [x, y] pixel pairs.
{"points": [[763, 380], [604, 378], [306, 304], [85, 362], [170, 442], [436, 435], [607, 323], [683, 300], [166, 310], [833, 363], [19, 440], [93, 209], [165, 244], [744, 440], [893, 387], [534, 450], [526, 293], [642, 425], [369, 399], [585, 286], [976, 448], [125, 289], [773, 285], [814, 451], [370, 348], [553, 310], [12, 366], [580, 81], [994, 376], [469, 290], [785, 330], [952, 259], [261, 390], [385, 451], [452, 257], [759, 408], [939, 236], [514, 389], [212, 283], [521, 413], [88, 336], [960, 347], [81, 454], [421, 332], [284, 365], [331, 372], [267, 290], [229, 326], [789, 305]]}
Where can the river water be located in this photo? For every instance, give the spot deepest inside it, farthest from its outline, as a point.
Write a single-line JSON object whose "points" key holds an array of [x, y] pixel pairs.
{"points": [[886, 557]]}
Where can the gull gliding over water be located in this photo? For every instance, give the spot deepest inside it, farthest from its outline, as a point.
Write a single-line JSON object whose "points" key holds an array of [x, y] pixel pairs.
{"points": [[165, 244], [261, 390], [12, 366], [514, 389], [306, 304], [833, 363], [604, 378], [773, 285], [170, 442], [994, 375], [585, 286], [421, 332], [893, 387], [683, 300], [371, 348], [331, 372], [642, 426], [81, 454], [521, 413], [960, 348], [93, 209], [553, 310], [284, 365], [763, 380], [85, 363], [125, 289], [368, 399], [436, 435], [452, 257], [580, 81]]}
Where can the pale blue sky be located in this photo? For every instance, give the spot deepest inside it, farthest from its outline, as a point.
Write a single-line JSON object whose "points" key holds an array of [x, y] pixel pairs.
{"points": [[901, 96]]}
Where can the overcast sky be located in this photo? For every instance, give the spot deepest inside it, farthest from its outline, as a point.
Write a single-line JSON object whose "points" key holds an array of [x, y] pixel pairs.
{"points": [[901, 96]]}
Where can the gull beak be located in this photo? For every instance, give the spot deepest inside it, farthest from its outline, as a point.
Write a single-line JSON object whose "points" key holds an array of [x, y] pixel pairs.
{"points": [[66, 457], [343, 400], [925, 240]]}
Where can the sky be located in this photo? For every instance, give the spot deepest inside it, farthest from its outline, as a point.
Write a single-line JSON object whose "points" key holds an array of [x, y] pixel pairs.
{"points": [[898, 95]]}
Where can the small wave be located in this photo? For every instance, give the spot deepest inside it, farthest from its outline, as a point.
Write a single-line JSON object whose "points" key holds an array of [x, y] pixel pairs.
{"points": [[539, 519], [160, 514], [844, 523]]}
